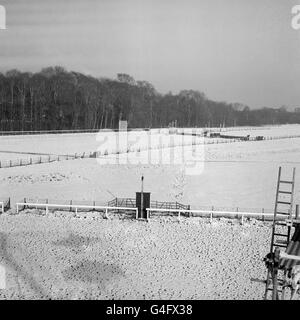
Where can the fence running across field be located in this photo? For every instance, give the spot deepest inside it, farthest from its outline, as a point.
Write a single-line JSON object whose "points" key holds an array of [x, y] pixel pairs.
{"points": [[44, 159], [96, 154], [159, 208], [43, 132], [210, 129], [46, 204], [217, 214]]}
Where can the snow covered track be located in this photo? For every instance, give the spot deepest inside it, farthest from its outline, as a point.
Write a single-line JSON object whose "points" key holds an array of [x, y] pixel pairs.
{"points": [[58, 258], [58, 147]]}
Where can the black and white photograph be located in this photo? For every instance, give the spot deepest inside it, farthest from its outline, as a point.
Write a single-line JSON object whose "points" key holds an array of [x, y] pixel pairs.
{"points": [[150, 151]]}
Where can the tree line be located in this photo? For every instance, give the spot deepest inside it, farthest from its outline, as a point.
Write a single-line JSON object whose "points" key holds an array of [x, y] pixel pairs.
{"points": [[56, 99]]}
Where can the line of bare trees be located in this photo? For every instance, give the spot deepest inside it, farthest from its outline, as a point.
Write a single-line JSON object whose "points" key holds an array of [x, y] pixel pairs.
{"points": [[56, 99]]}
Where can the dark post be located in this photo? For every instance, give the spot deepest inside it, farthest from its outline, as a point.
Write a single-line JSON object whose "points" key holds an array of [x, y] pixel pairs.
{"points": [[142, 194], [297, 211]]}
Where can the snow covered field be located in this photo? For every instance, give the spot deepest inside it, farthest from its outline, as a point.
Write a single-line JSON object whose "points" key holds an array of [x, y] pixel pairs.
{"points": [[24, 147], [89, 257], [236, 174], [267, 131]]}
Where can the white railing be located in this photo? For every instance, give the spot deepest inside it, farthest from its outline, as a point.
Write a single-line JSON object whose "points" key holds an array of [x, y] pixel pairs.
{"points": [[73, 206], [210, 213]]}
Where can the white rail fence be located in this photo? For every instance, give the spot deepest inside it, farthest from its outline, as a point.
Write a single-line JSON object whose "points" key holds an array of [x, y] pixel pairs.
{"points": [[217, 213], [179, 212], [46, 206]]}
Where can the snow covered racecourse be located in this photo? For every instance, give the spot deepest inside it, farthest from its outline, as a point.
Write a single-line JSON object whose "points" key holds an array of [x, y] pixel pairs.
{"points": [[68, 255], [64, 257]]}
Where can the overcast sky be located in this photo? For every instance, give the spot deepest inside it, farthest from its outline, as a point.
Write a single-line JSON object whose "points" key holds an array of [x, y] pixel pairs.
{"points": [[233, 50]]}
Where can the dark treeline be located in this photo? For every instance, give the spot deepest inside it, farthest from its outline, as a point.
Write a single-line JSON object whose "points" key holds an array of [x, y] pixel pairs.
{"points": [[55, 99]]}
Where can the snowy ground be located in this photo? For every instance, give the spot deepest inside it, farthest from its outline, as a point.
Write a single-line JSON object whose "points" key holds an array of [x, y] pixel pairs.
{"points": [[34, 146], [67, 257], [237, 174], [92, 258]]}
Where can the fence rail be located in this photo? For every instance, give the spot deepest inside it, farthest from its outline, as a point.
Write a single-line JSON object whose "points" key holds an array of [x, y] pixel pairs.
{"points": [[41, 132], [71, 206], [212, 213], [175, 207], [191, 213], [44, 159]]}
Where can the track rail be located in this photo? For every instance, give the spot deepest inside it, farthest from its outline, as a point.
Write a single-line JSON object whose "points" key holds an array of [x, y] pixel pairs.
{"points": [[72, 206], [210, 213]]}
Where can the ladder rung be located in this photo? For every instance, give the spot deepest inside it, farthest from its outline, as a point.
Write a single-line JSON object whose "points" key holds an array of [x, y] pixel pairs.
{"points": [[283, 181], [281, 241], [279, 245], [285, 192], [280, 224], [281, 234], [286, 213], [283, 202]]}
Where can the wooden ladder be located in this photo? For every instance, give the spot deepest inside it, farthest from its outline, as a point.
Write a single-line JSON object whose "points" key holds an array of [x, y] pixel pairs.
{"points": [[281, 232]]}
